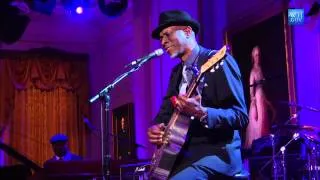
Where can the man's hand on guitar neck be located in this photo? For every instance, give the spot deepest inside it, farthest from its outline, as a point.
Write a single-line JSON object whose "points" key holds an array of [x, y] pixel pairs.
{"points": [[190, 106], [155, 134]]}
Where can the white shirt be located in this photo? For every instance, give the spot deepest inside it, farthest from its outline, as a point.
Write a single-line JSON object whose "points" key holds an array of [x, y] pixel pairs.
{"points": [[66, 157]]}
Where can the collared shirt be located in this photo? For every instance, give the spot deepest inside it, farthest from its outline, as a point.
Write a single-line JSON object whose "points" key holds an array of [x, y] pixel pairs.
{"points": [[186, 73], [193, 56], [66, 157]]}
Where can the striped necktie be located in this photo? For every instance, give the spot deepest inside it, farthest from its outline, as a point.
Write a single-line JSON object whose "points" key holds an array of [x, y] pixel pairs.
{"points": [[186, 79]]}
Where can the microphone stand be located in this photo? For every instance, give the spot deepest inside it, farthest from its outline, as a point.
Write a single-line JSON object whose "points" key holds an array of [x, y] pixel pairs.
{"points": [[105, 99]]}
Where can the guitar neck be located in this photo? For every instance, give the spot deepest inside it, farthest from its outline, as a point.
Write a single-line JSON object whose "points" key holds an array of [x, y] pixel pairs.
{"points": [[193, 86]]}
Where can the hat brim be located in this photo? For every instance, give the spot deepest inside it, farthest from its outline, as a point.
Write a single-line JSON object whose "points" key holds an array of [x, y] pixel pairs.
{"points": [[193, 24]]}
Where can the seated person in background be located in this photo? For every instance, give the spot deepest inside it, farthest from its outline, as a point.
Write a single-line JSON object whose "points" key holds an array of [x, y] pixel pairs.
{"points": [[61, 150]]}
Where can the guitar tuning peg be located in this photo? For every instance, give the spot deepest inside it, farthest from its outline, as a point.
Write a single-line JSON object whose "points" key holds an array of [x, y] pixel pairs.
{"points": [[212, 70], [221, 63], [217, 66]]}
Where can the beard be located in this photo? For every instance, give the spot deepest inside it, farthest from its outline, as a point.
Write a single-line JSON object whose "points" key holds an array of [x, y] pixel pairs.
{"points": [[174, 55]]}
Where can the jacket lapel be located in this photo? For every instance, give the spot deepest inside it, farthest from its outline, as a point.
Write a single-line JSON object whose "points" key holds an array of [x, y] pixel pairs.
{"points": [[203, 56], [176, 79]]}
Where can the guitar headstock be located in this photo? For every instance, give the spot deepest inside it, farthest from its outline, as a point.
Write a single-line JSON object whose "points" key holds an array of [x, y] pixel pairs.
{"points": [[214, 60]]}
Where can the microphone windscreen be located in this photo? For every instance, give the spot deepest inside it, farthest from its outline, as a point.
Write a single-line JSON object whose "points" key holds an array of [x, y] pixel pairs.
{"points": [[159, 52]]}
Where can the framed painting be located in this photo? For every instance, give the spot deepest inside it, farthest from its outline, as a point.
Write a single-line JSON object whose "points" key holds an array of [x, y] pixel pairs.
{"points": [[123, 132], [267, 43]]}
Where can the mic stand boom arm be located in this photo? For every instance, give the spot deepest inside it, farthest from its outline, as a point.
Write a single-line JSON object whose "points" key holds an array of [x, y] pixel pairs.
{"points": [[104, 96], [108, 88]]}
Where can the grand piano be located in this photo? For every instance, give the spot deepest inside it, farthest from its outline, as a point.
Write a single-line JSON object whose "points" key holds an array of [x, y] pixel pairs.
{"points": [[64, 170], [59, 170], [20, 171]]}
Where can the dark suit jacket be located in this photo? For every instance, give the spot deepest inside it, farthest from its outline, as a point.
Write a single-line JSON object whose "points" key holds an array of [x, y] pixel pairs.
{"points": [[72, 158], [218, 146]]}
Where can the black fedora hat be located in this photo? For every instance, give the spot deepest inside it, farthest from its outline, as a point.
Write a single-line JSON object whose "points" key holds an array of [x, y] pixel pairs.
{"points": [[175, 18]]}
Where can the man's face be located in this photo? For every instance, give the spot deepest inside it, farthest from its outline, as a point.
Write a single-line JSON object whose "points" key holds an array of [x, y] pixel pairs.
{"points": [[123, 125], [60, 148], [173, 39], [255, 55]]}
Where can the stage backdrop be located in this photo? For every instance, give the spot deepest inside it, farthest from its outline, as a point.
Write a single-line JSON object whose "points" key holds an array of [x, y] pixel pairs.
{"points": [[43, 92]]}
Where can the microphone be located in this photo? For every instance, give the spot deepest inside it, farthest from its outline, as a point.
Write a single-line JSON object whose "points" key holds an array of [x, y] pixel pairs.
{"points": [[88, 124], [144, 59]]}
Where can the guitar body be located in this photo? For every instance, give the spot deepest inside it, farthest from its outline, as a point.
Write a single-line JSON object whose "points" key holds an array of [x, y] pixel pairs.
{"points": [[164, 157], [176, 131]]}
